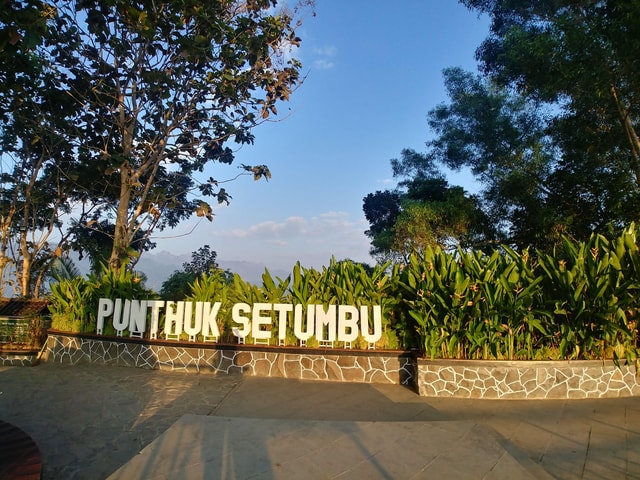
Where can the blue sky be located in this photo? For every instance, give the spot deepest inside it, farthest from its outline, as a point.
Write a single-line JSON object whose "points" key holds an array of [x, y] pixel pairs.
{"points": [[373, 73]]}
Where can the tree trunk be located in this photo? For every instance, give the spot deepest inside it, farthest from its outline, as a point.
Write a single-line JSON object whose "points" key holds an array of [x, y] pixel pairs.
{"points": [[25, 272], [632, 136], [122, 234]]}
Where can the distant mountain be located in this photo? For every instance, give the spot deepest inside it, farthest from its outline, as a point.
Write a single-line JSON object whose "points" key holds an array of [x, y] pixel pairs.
{"points": [[159, 266], [251, 271]]}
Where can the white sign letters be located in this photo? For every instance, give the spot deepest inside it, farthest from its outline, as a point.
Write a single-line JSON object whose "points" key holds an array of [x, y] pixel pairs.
{"points": [[336, 322]]}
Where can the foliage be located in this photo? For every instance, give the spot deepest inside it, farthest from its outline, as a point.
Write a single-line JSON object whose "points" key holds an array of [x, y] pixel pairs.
{"points": [[381, 209], [592, 289], [95, 240], [34, 113], [150, 131], [203, 262], [98, 123], [71, 305], [63, 268], [579, 302], [214, 286], [74, 301], [501, 137], [542, 49], [346, 283], [423, 211], [178, 285], [577, 61], [548, 129]]}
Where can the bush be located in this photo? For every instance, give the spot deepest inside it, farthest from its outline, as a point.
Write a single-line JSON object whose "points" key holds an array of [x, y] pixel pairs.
{"points": [[74, 302], [579, 303]]}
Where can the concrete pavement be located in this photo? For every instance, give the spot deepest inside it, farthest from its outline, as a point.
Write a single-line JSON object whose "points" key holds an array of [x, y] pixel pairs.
{"points": [[92, 422]]}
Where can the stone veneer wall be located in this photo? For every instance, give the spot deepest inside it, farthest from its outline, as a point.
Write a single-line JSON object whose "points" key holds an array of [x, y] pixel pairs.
{"points": [[431, 378], [18, 359], [526, 380], [368, 366]]}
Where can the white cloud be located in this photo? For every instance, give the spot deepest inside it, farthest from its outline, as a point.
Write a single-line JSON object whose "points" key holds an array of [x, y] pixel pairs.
{"points": [[278, 243], [323, 56], [325, 51], [323, 64], [292, 226], [295, 226], [312, 241]]}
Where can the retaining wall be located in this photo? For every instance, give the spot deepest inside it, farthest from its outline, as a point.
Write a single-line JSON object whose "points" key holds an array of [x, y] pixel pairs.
{"points": [[364, 366], [430, 378], [526, 380], [18, 358]]}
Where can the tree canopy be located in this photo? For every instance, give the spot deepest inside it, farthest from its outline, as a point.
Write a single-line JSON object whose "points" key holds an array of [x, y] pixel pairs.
{"points": [[580, 58], [549, 125], [165, 87], [113, 111], [424, 210], [203, 262]]}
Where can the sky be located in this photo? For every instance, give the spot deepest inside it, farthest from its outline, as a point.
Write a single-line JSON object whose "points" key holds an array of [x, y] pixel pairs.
{"points": [[372, 75]]}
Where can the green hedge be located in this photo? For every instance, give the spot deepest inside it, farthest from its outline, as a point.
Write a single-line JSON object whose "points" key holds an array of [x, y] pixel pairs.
{"points": [[580, 302]]}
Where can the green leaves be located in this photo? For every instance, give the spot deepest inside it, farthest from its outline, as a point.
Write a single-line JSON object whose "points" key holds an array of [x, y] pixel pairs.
{"points": [[590, 290], [580, 302], [74, 301], [159, 91]]}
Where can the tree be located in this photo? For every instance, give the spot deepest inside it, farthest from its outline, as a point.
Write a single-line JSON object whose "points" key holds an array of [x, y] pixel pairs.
{"points": [[503, 139], [203, 262], [164, 86], [95, 240], [423, 211], [381, 209], [34, 144], [581, 54], [535, 188], [581, 58]]}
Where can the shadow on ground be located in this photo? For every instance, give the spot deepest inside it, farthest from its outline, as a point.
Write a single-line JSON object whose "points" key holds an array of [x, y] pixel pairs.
{"points": [[89, 420]]}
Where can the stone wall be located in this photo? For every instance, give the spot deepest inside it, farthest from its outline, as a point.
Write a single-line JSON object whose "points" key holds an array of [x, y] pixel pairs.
{"points": [[18, 359], [431, 378], [526, 380], [364, 366]]}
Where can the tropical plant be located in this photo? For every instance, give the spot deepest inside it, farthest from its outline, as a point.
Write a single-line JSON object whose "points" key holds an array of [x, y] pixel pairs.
{"points": [[71, 305], [581, 302], [592, 294], [215, 287], [74, 301]]}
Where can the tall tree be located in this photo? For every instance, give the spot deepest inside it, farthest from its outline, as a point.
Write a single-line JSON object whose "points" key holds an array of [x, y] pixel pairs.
{"points": [[381, 209], [203, 262], [503, 139], [164, 87], [424, 210], [581, 57], [34, 143], [536, 187]]}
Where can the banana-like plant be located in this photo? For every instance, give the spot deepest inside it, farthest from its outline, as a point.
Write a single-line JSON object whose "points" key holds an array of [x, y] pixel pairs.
{"points": [[582, 301], [591, 287], [71, 305], [213, 287], [74, 301]]}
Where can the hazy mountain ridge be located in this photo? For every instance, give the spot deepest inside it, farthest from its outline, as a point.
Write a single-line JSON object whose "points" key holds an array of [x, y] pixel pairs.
{"points": [[159, 266]]}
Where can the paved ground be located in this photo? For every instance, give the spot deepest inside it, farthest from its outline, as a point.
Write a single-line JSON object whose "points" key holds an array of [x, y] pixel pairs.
{"points": [[89, 421]]}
